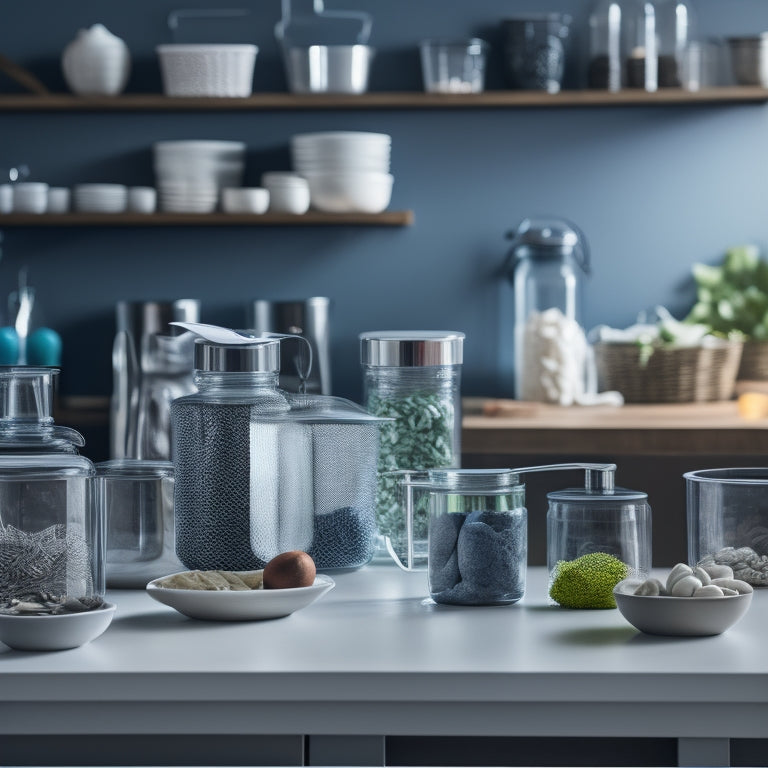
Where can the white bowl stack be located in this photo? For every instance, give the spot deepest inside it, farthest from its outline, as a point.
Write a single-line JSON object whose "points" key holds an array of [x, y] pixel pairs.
{"points": [[101, 198], [191, 174], [347, 171]]}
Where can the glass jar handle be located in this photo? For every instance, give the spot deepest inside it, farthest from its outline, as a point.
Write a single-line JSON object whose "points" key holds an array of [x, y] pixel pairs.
{"points": [[597, 477]]}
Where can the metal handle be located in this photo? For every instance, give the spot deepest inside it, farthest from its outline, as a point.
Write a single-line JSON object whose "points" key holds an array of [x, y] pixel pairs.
{"points": [[597, 477]]}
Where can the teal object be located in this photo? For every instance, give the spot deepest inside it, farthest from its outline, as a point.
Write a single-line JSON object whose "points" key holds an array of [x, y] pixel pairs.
{"points": [[9, 346], [44, 347]]}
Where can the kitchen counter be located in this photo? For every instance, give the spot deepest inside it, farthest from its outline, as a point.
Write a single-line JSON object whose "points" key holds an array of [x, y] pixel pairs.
{"points": [[373, 659], [696, 429]]}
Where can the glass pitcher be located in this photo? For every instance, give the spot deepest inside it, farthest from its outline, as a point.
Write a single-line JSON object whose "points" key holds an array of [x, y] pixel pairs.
{"points": [[51, 533], [545, 266]]}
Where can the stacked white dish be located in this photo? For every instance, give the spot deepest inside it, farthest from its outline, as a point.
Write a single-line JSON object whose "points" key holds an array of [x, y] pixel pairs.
{"points": [[347, 171], [101, 198], [191, 174]]}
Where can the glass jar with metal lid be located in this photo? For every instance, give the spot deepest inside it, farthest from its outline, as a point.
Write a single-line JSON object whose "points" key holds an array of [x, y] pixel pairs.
{"points": [[259, 471], [412, 378], [597, 535]]}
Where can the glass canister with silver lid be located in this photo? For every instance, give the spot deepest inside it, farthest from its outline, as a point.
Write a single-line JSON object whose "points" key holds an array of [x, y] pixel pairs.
{"points": [[412, 378]]}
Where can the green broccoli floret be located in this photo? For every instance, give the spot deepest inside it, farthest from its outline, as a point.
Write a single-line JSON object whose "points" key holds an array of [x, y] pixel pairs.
{"points": [[587, 581]]}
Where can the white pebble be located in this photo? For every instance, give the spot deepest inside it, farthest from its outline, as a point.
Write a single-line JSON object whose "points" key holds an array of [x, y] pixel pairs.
{"points": [[685, 587], [681, 570], [718, 571], [708, 590], [740, 586], [650, 587], [702, 575]]}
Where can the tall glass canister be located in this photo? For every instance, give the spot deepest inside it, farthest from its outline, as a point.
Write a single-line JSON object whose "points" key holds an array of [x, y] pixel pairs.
{"points": [[412, 378], [51, 533], [606, 70]]}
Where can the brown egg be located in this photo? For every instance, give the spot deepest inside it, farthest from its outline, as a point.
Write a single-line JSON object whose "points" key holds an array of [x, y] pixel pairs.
{"points": [[289, 569]]}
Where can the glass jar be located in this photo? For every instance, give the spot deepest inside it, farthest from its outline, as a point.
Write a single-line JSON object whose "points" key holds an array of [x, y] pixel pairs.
{"points": [[412, 378], [259, 471], [477, 535], [728, 520], [674, 31], [596, 536], [545, 265], [136, 500], [606, 63], [641, 43], [51, 533]]}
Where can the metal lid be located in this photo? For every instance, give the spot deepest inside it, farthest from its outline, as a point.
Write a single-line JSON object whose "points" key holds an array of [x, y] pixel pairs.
{"points": [[263, 356], [586, 495], [411, 348]]}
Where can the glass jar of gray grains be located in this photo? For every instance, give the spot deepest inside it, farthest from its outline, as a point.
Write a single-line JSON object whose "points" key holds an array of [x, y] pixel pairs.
{"points": [[412, 378]]}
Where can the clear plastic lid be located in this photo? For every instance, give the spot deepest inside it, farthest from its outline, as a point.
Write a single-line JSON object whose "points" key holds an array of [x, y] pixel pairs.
{"points": [[587, 496]]}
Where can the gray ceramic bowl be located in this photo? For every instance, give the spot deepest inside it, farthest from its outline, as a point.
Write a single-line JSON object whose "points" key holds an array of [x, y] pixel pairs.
{"points": [[680, 616], [55, 633]]}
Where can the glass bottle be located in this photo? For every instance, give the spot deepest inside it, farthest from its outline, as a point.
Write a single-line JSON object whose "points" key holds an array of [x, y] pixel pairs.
{"points": [[641, 46], [545, 264], [606, 59], [674, 31], [51, 533], [414, 379]]}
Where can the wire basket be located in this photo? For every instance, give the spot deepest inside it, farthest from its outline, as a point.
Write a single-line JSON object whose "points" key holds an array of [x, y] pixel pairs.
{"points": [[671, 374], [754, 362]]}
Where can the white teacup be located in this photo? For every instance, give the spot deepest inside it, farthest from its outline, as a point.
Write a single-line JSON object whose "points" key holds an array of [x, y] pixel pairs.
{"points": [[142, 199], [58, 199], [245, 199]]}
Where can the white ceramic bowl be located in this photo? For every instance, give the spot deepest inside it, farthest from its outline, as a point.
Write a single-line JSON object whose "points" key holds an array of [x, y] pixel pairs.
{"points": [[58, 199], [207, 70], [142, 199], [679, 616], [245, 200], [248, 605], [288, 192], [30, 197], [55, 633], [350, 192]]}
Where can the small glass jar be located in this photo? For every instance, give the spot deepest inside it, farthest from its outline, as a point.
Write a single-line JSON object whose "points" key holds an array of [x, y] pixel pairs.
{"points": [[545, 265], [412, 378], [596, 536], [136, 500], [51, 533], [674, 31], [641, 51], [606, 66], [477, 535]]}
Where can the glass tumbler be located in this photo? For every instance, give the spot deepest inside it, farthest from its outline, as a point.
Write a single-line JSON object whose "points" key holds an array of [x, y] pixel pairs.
{"points": [[453, 66]]}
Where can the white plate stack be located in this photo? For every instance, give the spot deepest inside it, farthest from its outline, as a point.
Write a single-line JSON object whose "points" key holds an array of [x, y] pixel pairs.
{"points": [[101, 198], [347, 171], [191, 174]]}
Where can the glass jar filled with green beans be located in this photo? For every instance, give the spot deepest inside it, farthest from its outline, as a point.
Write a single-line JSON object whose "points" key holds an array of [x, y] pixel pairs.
{"points": [[412, 378]]}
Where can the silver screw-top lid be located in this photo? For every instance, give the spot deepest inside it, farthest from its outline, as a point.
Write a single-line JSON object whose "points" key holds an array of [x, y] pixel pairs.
{"points": [[263, 356], [411, 348]]}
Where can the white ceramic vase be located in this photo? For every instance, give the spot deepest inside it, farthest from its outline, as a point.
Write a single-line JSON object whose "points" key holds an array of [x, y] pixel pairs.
{"points": [[96, 62]]}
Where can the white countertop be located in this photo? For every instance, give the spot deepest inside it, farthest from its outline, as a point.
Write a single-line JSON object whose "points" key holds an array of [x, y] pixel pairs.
{"points": [[374, 657]]}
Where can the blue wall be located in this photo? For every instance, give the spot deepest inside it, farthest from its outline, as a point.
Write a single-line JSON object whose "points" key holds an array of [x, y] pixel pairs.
{"points": [[654, 189]]}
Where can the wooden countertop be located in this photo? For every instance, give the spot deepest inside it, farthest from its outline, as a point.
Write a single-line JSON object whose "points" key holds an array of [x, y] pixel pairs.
{"points": [[701, 429]]}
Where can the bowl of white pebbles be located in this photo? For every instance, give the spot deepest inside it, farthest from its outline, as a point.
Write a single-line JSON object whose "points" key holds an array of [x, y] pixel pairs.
{"points": [[693, 601]]}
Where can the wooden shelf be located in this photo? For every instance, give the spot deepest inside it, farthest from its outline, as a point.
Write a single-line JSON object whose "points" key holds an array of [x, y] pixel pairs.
{"points": [[65, 102], [309, 219]]}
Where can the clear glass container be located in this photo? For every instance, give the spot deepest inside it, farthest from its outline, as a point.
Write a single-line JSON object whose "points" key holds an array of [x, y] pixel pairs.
{"points": [[477, 535], [412, 378], [545, 265], [674, 31], [453, 66], [51, 533], [727, 513], [641, 51], [596, 536], [260, 471], [136, 501], [606, 46]]}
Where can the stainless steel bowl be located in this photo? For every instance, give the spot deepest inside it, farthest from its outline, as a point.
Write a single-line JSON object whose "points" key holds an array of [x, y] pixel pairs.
{"points": [[328, 68], [749, 59]]}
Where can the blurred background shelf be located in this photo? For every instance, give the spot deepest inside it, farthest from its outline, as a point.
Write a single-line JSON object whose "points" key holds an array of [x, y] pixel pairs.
{"points": [[311, 218], [64, 102]]}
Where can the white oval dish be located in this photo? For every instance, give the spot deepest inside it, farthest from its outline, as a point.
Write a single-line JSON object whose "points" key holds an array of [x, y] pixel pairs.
{"points": [[679, 616], [246, 605], [55, 633]]}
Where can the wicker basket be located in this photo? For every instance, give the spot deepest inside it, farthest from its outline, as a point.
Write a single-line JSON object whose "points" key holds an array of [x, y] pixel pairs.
{"points": [[671, 375], [754, 362]]}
